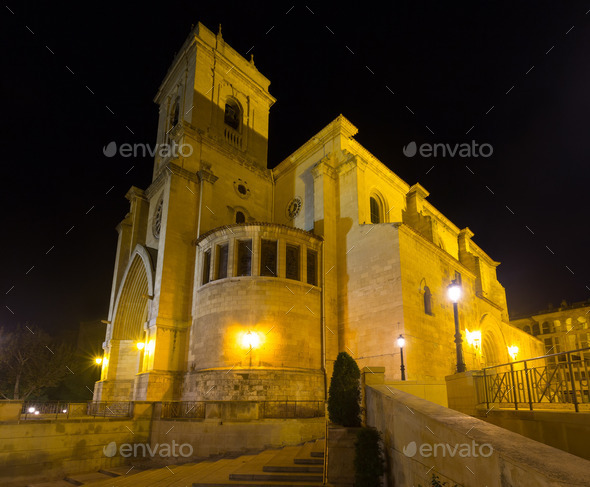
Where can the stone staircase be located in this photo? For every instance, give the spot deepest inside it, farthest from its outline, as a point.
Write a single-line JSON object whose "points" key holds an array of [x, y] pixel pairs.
{"points": [[291, 466]]}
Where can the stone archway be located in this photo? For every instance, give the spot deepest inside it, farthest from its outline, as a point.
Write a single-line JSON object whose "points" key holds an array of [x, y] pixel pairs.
{"points": [[494, 348], [130, 313]]}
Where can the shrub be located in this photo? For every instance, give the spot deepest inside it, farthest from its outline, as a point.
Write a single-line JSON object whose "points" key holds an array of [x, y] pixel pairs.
{"points": [[344, 403], [368, 459]]}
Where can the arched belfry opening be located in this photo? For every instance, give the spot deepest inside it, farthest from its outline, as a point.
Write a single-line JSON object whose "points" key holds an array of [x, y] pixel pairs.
{"points": [[124, 360]]}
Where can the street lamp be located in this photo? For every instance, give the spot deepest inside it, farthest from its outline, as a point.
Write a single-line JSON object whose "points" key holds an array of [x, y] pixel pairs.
{"points": [[401, 341], [454, 293]]}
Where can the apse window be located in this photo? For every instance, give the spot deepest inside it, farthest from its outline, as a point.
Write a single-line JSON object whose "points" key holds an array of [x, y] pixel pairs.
{"points": [[244, 258], [222, 254], [292, 260], [312, 267], [375, 210], [268, 258], [427, 301], [206, 266], [233, 114]]}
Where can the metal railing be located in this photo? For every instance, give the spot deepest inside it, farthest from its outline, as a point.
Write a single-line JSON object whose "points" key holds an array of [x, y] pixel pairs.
{"points": [[266, 409], [66, 410], [559, 378], [183, 409], [292, 409]]}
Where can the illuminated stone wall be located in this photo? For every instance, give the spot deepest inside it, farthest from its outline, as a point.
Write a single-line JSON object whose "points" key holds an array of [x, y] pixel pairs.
{"points": [[282, 314]]}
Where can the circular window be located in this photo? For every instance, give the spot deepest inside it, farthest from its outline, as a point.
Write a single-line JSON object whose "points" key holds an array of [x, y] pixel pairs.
{"points": [[294, 207], [157, 223], [241, 188]]}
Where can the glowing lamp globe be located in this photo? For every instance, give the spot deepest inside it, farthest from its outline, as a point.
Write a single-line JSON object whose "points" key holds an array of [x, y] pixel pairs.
{"points": [[401, 341], [250, 340], [140, 345], [98, 360], [454, 292]]}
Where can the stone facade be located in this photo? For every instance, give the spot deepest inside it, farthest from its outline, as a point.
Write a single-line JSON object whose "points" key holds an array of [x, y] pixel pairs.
{"points": [[235, 281]]}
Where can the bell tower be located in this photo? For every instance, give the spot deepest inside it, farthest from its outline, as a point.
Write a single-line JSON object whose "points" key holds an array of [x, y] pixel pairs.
{"points": [[210, 170], [212, 99]]}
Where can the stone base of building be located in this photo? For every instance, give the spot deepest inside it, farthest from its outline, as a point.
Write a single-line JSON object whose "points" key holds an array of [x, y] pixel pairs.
{"points": [[253, 385], [157, 386], [113, 390]]}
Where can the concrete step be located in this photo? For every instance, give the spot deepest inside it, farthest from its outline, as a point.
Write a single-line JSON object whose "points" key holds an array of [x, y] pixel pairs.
{"points": [[277, 477], [86, 478], [121, 470], [304, 456], [318, 448], [284, 461], [53, 483]]}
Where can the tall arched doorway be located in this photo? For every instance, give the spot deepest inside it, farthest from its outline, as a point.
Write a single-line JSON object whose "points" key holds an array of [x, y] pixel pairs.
{"points": [[126, 329]]}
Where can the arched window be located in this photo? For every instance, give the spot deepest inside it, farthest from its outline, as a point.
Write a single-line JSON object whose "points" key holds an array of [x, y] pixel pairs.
{"points": [[375, 210], [527, 329], [427, 301], [175, 113], [233, 114], [536, 331], [547, 328], [240, 217]]}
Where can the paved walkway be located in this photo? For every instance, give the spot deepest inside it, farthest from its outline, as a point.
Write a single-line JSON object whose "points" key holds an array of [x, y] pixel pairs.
{"points": [[290, 466]]}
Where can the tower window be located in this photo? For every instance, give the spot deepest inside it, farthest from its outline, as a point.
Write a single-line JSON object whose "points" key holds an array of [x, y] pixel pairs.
{"points": [[536, 331], [240, 217], [292, 257], [175, 112], [268, 258], [244, 257], [312, 267], [427, 301], [206, 266], [375, 210], [222, 254], [233, 114]]}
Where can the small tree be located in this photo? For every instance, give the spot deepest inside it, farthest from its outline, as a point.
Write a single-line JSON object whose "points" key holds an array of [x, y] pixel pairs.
{"points": [[368, 458], [344, 403], [31, 362]]}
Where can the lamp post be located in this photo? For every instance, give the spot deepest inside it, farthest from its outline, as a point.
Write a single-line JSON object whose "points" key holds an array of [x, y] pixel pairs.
{"points": [[454, 293], [401, 341]]}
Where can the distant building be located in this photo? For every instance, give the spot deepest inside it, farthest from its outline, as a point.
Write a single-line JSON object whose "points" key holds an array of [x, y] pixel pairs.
{"points": [[561, 329], [235, 281]]}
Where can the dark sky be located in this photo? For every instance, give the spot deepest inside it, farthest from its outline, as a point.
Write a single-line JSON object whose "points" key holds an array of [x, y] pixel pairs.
{"points": [[447, 64]]}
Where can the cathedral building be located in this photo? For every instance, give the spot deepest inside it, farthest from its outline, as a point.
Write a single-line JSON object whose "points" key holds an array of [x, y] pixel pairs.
{"points": [[234, 281]]}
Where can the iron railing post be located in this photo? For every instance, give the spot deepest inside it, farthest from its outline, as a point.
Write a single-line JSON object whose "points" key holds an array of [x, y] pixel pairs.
{"points": [[485, 386], [528, 385], [574, 393], [513, 386]]}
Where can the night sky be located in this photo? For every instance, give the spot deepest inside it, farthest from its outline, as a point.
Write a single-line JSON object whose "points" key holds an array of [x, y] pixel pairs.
{"points": [[447, 64]]}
